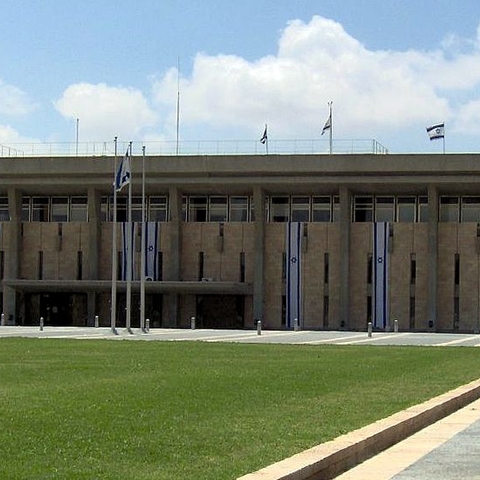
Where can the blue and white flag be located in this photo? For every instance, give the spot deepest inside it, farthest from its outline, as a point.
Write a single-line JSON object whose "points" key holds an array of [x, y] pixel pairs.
{"points": [[436, 131], [123, 173], [151, 237], [328, 124], [380, 275], [293, 274], [264, 136], [128, 250]]}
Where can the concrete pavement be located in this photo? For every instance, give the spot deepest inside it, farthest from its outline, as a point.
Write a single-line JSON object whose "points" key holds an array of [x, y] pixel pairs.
{"points": [[304, 337], [446, 450]]}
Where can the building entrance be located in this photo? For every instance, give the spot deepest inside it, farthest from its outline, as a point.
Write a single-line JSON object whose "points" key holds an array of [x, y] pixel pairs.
{"points": [[57, 309], [220, 311]]}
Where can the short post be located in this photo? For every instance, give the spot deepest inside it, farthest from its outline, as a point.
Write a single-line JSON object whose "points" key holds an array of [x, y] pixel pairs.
{"points": [[96, 321], [295, 324], [147, 325], [395, 326], [2, 320], [192, 323], [369, 327], [259, 327], [41, 324]]}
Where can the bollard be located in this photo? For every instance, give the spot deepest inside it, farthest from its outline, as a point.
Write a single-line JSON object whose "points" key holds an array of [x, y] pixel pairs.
{"points": [[369, 325], [192, 323], [295, 324], [41, 324], [259, 327], [2, 320], [147, 325], [395, 326], [96, 321]]}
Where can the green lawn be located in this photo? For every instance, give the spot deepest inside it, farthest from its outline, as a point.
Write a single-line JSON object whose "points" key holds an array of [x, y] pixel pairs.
{"points": [[180, 410]]}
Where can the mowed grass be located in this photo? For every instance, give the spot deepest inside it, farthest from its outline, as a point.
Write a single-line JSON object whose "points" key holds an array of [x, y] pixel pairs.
{"points": [[164, 410]]}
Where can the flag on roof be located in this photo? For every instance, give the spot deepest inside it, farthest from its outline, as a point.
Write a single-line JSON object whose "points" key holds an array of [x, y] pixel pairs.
{"points": [[436, 131], [328, 124], [264, 136]]}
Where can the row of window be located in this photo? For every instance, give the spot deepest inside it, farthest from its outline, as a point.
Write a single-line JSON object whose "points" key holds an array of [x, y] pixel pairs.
{"points": [[223, 208]]}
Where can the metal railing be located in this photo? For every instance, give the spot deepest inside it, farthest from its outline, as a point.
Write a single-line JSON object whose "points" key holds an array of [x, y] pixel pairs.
{"points": [[194, 147]]}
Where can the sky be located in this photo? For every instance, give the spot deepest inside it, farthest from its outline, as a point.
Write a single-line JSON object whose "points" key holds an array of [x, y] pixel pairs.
{"points": [[105, 69]]}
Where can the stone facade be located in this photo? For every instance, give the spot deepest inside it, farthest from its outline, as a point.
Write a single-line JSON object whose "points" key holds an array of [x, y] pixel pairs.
{"points": [[62, 269]]}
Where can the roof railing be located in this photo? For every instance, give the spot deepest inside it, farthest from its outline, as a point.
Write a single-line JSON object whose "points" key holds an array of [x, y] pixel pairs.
{"points": [[194, 147]]}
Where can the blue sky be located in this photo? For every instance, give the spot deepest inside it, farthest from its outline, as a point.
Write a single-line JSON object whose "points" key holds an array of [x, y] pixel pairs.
{"points": [[391, 68]]}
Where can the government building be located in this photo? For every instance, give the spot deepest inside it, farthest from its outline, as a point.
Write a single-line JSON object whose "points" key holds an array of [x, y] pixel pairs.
{"points": [[318, 241]]}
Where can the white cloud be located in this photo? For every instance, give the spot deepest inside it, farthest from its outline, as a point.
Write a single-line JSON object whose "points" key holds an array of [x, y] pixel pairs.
{"points": [[105, 111], [13, 101], [372, 91], [12, 143]]}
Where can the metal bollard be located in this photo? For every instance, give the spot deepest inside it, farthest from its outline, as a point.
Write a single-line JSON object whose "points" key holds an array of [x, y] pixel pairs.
{"points": [[295, 324], [395, 326], [259, 327], [192, 323], [2, 320], [147, 325], [369, 327], [96, 321], [41, 324]]}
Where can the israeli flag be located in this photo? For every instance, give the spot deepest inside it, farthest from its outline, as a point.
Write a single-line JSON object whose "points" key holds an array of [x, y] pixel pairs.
{"points": [[151, 237], [123, 173], [293, 277], [128, 249], [380, 275]]}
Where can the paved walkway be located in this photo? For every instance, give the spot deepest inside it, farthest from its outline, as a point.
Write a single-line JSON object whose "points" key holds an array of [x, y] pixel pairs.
{"points": [[446, 450], [304, 337]]}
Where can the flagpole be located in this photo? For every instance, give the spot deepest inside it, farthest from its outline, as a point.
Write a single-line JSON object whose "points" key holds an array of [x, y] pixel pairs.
{"points": [[113, 301], [331, 127], [143, 249], [76, 138], [129, 248], [178, 104]]}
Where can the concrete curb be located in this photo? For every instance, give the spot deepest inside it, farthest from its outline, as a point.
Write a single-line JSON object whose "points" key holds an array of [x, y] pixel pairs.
{"points": [[330, 459]]}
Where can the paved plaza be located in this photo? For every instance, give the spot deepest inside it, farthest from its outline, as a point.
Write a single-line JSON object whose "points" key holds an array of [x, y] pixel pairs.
{"points": [[301, 337]]}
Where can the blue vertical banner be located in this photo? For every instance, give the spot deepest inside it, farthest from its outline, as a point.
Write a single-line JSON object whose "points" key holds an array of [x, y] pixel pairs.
{"points": [[152, 232], [293, 274], [128, 250], [380, 275]]}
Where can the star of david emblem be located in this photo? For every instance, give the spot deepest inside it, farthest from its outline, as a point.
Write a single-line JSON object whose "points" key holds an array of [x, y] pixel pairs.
{"points": [[150, 248], [380, 260], [293, 259]]}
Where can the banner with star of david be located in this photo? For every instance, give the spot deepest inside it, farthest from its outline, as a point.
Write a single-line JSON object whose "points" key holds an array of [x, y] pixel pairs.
{"points": [[293, 271], [128, 249], [380, 275], [152, 232]]}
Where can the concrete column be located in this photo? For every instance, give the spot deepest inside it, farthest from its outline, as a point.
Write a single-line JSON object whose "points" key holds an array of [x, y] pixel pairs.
{"points": [[12, 254], [432, 255], [175, 199], [259, 253], [94, 216], [345, 224]]}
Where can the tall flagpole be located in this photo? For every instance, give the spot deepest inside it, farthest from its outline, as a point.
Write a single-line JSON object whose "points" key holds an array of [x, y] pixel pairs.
{"points": [[331, 126], [143, 249], [76, 138], [113, 301], [178, 104], [129, 249]]}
